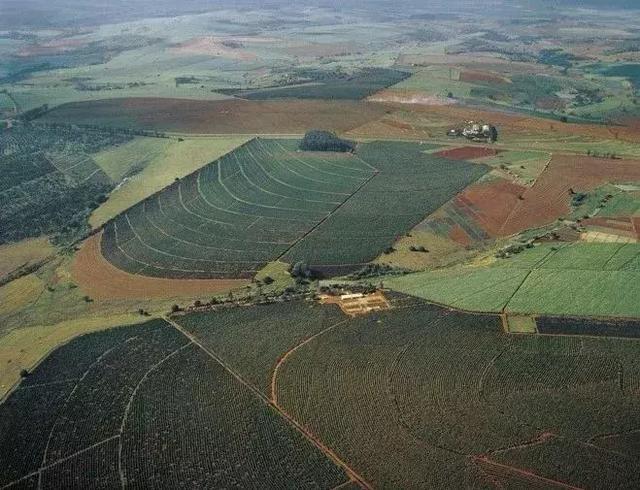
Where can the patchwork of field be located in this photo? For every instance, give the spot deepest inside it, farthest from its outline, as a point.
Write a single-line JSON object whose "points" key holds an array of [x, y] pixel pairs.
{"points": [[219, 117], [184, 400], [127, 407], [267, 201], [14, 256], [147, 172], [547, 279]]}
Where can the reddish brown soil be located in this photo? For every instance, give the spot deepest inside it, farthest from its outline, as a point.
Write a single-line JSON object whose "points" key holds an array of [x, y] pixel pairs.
{"points": [[481, 76], [231, 116], [467, 153], [489, 204], [102, 281], [550, 103], [550, 197], [458, 235]]}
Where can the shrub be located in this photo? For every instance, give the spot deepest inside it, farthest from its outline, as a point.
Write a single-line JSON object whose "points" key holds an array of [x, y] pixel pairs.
{"points": [[325, 141]]}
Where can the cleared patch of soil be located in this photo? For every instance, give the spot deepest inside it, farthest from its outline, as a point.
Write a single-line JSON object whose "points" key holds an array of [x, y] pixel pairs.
{"points": [[481, 76], [232, 116], [100, 280], [549, 198], [467, 153]]}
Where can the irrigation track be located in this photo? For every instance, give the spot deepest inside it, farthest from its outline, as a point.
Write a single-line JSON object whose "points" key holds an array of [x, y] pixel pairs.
{"points": [[351, 473], [480, 460], [283, 358]]}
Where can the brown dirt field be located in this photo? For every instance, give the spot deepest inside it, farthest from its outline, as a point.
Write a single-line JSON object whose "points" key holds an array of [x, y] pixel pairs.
{"points": [[214, 46], [102, 281], [550, 103], [549, 198], [458, 235], [437, 118], [481, 76], [231, 116], [467, 153], [489, 204]]}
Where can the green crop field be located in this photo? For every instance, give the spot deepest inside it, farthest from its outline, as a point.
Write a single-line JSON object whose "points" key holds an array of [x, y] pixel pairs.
{"points": [[186, 400], [548, 279], [443, 388], [266, 200], [143, 405]]}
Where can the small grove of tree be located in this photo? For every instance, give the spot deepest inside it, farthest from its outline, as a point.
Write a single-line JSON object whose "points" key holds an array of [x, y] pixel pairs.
{"points": [[316, 140], [301, 271]]}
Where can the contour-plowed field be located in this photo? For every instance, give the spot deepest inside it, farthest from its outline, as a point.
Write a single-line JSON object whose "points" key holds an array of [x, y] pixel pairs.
{"points": [[266, 200], [549, 198], [219, 117], [103, 281]]}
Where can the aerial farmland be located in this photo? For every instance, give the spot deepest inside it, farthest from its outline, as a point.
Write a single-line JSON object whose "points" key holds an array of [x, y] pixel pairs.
{"points": [[316, 246]]}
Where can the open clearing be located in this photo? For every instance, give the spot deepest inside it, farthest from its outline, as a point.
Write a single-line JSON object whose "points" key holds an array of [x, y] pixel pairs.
{"points": [[547, 279], [219, 117], [267, 201]]}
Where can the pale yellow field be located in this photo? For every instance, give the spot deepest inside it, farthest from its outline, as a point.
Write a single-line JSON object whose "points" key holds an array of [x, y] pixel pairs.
{"points": [[15, 255], [178, 159], [117, 162], [20, 293], [26, 347]]}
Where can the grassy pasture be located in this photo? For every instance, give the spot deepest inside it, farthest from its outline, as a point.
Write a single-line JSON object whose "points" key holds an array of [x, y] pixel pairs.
{"points": [[542, 280]]}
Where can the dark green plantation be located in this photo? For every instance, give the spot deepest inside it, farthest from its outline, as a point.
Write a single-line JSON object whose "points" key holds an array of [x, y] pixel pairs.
{"points": [[49, 183], [267, 201], [320, 398], [317, 84], [143, 406]]}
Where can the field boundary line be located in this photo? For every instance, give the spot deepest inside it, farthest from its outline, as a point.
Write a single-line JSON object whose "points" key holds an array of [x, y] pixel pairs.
{"points": [[348, 482], [285, 356], [127, 409], [288, 418], [334, 211], [525, 473]]}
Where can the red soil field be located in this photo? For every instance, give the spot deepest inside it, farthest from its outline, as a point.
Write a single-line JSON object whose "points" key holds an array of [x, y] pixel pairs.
{"points": [[481, 76], [550, 197], [624, 226], [230, 116], [489, 204], [102, 281], [467, 153], [458, 235]]}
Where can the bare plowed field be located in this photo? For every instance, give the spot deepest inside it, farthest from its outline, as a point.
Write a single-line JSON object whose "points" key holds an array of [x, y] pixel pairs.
{"points": [[101, 280], [550, 197], [220, 117], [467, 153], [481, 76]]}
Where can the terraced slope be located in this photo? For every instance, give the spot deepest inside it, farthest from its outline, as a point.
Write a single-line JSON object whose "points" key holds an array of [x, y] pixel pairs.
{"points": [[267, 200]]}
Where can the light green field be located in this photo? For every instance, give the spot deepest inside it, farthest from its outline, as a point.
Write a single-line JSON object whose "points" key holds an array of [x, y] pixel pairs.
{"points": [[585, 279], [178, 158], [436, 81], [133, 156]]}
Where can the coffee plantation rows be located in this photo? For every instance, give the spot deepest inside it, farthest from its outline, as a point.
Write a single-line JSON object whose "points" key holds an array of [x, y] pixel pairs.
{"points": [[48, 182], [586, 326], [142, 404], [276, 329], [266, 200], [389, 381]]}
